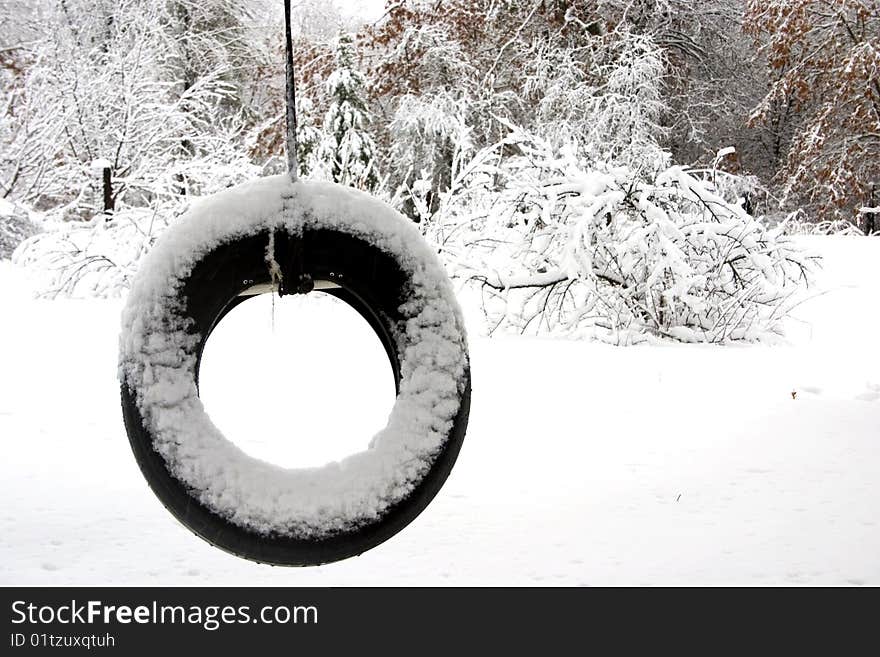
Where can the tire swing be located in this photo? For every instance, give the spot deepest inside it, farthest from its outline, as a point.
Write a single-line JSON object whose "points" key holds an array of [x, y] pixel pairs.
{"points": [[293, 237]]}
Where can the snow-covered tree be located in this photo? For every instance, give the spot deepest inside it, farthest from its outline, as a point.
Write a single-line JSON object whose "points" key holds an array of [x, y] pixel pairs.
{"points": [[825, 61], [350, 149], [310, 142], [440, 78], [609, 99], [430, 141], [625, 115], [105, 84], [206, 36]]}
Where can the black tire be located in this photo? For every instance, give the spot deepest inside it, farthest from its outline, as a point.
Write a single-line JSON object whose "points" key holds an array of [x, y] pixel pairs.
{"points": [[374, 285]]}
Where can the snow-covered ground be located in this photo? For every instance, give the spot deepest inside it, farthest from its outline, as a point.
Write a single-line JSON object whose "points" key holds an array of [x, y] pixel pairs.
{"points": [[583, 464]]}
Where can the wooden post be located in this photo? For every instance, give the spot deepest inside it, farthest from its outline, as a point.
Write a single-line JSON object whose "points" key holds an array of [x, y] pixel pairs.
{"points": [[108, 193], [871, 217], [105, 168]]}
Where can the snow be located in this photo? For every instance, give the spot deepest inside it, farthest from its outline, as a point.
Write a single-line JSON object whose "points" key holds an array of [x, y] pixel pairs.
{"points": [[158, 355], [100, 164], [584, 463], [16, 225], [331, 328]]}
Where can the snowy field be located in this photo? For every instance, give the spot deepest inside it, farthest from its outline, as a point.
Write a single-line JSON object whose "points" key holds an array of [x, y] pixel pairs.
{"points": [[584, 464]]}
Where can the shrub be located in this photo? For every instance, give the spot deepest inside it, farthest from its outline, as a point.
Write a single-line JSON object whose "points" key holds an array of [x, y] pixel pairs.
{"points": [[15, 227], [558, 243]]}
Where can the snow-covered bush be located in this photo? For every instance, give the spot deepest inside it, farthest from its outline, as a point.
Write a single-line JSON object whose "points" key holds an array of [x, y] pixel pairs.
{"points": [[563, 245], [15, 227], [96, 258], [798, 223], [740, 188]]}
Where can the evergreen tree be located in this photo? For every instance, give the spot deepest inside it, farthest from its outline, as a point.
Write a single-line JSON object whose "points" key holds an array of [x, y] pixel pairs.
{"points": [[350, 150], [309, 140]]}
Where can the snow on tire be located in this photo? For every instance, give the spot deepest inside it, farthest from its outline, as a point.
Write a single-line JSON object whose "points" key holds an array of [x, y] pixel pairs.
{"points": [[248, 238]]}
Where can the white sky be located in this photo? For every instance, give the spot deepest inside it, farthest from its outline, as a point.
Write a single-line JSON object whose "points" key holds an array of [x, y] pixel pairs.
{"points": [[368, 9]]}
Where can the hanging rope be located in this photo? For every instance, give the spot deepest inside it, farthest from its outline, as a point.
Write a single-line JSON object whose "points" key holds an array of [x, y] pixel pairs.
{"points": [[285, 252], [292, 163]]}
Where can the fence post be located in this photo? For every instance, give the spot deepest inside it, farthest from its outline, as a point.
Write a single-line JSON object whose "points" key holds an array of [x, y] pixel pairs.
{"points": [[108, 193], [105, 168], [871, 217]]}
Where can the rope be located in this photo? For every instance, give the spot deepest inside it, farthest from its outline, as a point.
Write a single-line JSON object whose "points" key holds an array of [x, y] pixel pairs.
{"points": [[292, 164], [285, 253]]}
